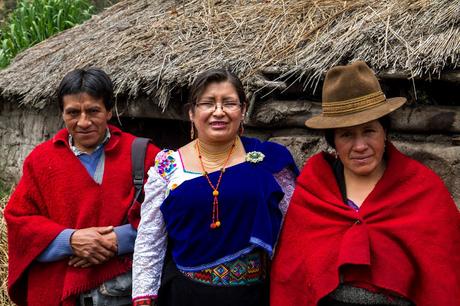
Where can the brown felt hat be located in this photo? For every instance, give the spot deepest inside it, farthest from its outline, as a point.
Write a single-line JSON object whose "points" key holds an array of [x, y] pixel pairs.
{"points": [[352, 96]]}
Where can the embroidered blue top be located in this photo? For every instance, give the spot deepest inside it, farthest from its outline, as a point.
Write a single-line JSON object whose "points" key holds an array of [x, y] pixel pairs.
{"points": [[179, 202], [248, 209]]}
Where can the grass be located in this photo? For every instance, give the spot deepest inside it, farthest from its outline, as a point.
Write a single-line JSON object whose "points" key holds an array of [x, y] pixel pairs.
{"points": [[4, 299], [35, 20]]}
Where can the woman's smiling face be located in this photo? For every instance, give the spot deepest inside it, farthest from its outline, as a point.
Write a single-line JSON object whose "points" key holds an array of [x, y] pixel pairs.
{"points": [[218, 113]]}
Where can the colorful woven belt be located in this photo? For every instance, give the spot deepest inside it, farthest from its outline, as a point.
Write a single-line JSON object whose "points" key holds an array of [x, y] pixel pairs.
{"points": [[245, 270]]}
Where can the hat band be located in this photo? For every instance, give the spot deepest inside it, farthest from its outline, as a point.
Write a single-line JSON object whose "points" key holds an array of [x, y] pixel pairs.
{"points": [[338, 108]]}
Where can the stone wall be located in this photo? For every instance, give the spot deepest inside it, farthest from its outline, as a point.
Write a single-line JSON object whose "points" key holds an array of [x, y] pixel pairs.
{"points": [[279, 121], [435, 151], [427, 133], [21, 129]]}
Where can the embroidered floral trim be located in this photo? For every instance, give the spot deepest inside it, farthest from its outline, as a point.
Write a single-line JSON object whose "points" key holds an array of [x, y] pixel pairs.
{"points": [[255, 157], [166, 164], [244, 270]]}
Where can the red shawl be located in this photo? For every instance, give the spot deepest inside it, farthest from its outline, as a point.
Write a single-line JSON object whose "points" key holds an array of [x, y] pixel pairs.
{"points": [[405, 238], [54, 193]]}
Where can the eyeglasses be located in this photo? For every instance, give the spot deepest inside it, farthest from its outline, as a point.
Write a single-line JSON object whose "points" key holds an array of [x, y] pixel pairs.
{"points": [[230, 106]]}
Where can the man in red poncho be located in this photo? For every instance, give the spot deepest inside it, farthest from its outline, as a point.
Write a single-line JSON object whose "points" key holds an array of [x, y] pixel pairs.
{"points": [[67, 241]]}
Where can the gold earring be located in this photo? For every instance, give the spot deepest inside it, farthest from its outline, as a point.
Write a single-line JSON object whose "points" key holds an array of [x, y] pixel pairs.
{"points": [[192, 131]]}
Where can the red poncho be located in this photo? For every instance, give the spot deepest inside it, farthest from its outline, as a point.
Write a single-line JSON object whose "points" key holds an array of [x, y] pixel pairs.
{"points": [[54, 193], [405, 237]]}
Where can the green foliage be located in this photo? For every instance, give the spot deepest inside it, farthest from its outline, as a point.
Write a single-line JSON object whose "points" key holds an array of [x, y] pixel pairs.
{"points": [[35, 20]]}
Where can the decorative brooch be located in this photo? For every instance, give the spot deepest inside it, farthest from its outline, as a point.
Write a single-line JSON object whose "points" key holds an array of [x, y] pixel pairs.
{"points": [[255, 157]]}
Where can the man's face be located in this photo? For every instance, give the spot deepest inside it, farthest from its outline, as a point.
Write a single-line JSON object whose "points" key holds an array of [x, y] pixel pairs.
{"points": [[85, 118]]}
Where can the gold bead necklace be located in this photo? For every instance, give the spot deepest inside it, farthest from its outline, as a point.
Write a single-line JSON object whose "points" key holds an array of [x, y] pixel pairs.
{"points": [[215, 189], [212, 160]]}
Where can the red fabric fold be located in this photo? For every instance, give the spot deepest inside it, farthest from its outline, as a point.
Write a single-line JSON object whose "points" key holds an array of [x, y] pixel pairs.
{"points": [[405, 239], [54, 193]]}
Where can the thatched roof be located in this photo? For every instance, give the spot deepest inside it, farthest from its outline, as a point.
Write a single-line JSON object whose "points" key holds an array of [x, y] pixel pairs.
{"points": [[151, 47]]}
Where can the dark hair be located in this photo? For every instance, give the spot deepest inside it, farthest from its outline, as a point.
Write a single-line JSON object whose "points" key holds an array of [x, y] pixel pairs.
{"points": [[92, 81], [385, 121], [215, 76]]}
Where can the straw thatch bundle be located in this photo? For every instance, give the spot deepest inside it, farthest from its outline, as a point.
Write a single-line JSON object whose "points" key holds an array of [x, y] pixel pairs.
{"points": [[151, 47], [4, 299]]}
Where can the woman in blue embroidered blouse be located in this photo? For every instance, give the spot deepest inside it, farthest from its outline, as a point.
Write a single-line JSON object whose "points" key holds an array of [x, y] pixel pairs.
{"points": [[219, 201]]}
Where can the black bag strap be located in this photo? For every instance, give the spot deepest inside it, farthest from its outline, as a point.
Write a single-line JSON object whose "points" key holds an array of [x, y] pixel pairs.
{"points": [[138, 149]]}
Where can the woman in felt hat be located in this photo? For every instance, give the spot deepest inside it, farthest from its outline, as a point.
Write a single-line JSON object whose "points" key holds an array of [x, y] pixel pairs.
{"points": [[366, 225]]}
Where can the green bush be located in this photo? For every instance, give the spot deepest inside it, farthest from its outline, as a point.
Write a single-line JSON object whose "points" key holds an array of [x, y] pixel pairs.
{"points": [[35, 20]]}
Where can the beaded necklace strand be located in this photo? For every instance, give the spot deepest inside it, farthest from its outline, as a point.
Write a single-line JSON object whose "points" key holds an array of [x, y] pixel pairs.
{"points": [[215, 189], [211, 160]]}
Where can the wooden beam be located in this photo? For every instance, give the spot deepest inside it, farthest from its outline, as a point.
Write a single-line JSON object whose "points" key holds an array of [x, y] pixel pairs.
{"points": [[448, 76], [419, 119], [143, 108]]}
